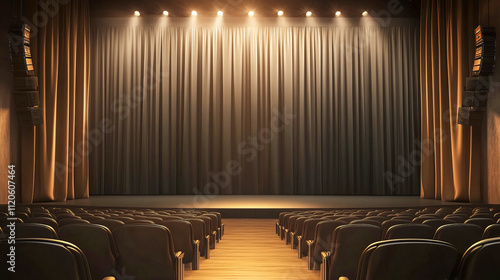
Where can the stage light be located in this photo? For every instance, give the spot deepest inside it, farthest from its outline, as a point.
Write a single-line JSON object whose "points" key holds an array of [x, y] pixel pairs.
{"points": [[137, 14], [220, 13], [309, 13], [337, 13], [165, 13], [251, 13], [365, 13], [280, 13], [194, 13]]}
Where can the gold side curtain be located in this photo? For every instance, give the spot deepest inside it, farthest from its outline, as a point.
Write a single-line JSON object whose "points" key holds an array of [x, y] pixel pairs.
{"points": [[450, 152], [54, 161]]}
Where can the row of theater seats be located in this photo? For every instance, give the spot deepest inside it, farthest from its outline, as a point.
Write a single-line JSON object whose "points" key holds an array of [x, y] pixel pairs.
{"points": [[409, 243], [61, 243]]}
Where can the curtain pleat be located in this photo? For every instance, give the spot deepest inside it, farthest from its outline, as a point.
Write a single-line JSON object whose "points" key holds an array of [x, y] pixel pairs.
{"points": [[255, 109], [448, 169], [56, 167]]}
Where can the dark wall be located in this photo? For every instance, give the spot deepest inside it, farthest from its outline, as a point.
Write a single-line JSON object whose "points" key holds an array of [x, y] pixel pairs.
{"points": [[9, 138]]}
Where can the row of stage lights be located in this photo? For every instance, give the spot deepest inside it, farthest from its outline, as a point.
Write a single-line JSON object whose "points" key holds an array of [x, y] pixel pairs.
{"points": [[252, 13]]}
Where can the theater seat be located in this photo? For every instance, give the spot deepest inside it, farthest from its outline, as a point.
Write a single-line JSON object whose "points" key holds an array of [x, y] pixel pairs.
{"points": [[147, 252], [436, 223], [387, 224], [462, 236], [96, 242], [34, 230], [199, 233], [322, 241], [68, 221], [111, 224], [45, 259], [44, 220], [409, 259], [482, 222], [481, 261], [349, 242], [182, 233], [409, 231], [491, 231], [307, 234]]}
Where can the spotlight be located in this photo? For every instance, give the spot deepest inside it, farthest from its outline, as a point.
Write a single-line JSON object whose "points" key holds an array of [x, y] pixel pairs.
{"points": [[194, 13], [309, 13], [365, 13], [165, 13], [137, 14], [251, 13], [220, 13], [280, 13], [337, 13]]}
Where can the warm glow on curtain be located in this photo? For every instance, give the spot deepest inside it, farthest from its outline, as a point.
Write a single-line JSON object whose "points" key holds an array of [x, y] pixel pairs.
{"points": [[54, 165], [450, 163], [254, 109]]}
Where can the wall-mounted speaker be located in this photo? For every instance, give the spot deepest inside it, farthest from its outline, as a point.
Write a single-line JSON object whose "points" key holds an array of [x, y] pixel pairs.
{"points": [[470, 116], [26, 83], [25, 99], [31, 116]]}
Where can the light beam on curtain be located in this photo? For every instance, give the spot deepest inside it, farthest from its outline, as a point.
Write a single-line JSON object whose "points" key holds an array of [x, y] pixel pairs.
{"points": [[254, 109]]}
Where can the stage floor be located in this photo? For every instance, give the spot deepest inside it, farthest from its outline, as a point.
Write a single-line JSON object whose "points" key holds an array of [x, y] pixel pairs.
{"points": [[253, 206]]}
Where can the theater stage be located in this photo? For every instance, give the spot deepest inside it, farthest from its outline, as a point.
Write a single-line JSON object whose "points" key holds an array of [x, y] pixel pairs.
{"points": [[252, 206]]}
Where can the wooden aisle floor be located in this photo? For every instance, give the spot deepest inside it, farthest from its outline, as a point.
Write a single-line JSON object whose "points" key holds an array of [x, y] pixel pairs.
{"points": [[249, 250]]}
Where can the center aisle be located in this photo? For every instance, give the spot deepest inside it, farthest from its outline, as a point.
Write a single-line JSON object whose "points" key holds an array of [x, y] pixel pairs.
{"points": [[250, 249]]}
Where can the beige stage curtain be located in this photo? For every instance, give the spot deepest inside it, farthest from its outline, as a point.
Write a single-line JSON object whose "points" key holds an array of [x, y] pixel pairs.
{"points": [[55, 166], [268, 106], [450, 154]]}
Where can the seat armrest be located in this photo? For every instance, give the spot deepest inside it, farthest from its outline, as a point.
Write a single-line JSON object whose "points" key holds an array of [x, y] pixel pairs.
{"points": [[310, 257], [292, 239], [207, 245], [213, 239], [325, 265], [179, 266], [222, 228], [299, 247], [196, 259]]}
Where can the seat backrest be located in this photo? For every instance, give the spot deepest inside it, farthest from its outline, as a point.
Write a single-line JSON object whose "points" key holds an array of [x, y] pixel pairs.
{"points": [[4, 222], [167, 218], [111, 224], [208, 223], [68, 221], [146, 251], [323, 237], [308, 232], [44, 259], [34, 230], [481, 261], [214, 223], [462, 236], [139, 222], [389, 223], [182, 234], [97, 243], [409, 231], [492, 231], [349, 242], [409, 259], [436, 223], [44, 220], [199, 233], [482, 222], [367, 222], [291, 222]]}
